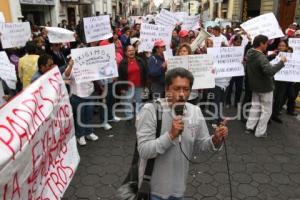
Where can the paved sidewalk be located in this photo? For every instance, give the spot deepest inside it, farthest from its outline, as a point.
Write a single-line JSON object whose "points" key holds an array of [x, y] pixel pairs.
{"points": [[261, 168]]}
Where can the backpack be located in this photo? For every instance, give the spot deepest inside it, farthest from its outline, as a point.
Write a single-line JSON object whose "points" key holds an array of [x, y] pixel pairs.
{"points": [[129, 189]]}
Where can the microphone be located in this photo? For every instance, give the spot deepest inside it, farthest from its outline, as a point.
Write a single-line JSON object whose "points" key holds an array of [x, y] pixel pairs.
{"points": [[179, 109]]}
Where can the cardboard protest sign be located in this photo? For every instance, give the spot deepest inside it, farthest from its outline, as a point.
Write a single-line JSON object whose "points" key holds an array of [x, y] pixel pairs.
{"points": [[266, 24], [94, 63], [97, 28], [291, 70], [191, 22], [60, 35], [166, 18], [295, 44], [150, 33], [228, 61], [15, 34], [38, 149], [201, 66]]}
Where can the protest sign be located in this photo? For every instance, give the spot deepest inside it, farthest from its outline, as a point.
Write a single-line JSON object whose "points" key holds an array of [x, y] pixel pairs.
{"points": [[166, 18], [180, 16], [191, 22], [15, 34], [7, 71], [94, 63], [97, 28], [60, 35], [150, 33], [224, 24], [2, 101], [266, 24], [168, 53], [291, 70], [228, 61], [37, 142], [2, 18], [295, 44], [201, 66], [211, 24]]}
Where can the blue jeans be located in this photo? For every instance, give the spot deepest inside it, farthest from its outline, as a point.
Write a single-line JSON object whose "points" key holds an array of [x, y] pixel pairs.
{"points": [[136, 94], [82, 116], [153, 197]]}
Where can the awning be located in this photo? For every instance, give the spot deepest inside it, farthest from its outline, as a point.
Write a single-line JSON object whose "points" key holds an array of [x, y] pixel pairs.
{"points": [[38, 2]]}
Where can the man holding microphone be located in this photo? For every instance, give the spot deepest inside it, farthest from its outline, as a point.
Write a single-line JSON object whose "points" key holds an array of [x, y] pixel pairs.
{"points": [[186, 131]]}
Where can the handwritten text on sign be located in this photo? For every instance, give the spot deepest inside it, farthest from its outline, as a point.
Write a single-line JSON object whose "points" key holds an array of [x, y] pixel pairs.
{"points": [[201, 67], [94, 63], [228, 61], [15, 34], [191, 22], [266, 24], [150, 33], [97, 28], [295, 44], [167, 18], [7, 70], [291, 70], [60, 35], [37, 143]]}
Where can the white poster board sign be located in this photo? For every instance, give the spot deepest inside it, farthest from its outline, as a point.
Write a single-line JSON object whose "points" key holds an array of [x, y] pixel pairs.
{"points": [[15, 34], [60, 35], [266, 24], [166, 18], [180, 16], [168, 53], [7, 71], [149, 33], [228, 61], [201, 66], [97, 28], [291, 70], [295, 44], [191, 22], [94, 63], [38, 148]]}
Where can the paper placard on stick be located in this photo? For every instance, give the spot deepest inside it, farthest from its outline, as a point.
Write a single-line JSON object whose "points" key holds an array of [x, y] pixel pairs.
{"points": [[191, 22], [295, 44], [40, 158], [2, 18], [94, 63], [60, 35], [201, 66], [266, 24], [166, 18], [150, 33], [291, 70], [15, 34], [228, 61], [97, 28]]}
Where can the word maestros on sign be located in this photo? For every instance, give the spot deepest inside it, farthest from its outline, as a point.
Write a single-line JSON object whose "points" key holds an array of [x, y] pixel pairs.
{"points": [[94, 63], [97, 28], [201, 67], [228, 61], [150, 33], [266, 24], [37, 142], [291, 70], [15, 34]]}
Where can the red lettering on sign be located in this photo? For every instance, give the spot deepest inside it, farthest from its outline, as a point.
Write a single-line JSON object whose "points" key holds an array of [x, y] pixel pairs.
{"points": [[5, 131], [16, 187]]}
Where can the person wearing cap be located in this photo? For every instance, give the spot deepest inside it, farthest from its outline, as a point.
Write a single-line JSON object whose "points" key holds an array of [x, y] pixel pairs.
{"points": [[135, 43], [218, 38], [184, 36], [133, 70], [156, 69]]}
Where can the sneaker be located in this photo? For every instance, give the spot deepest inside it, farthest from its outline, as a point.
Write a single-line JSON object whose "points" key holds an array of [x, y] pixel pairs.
{"points": [[115, 119], [92, 137], [107, 126], [81, 141], [263, 135], [249, 131], [277, 119]]}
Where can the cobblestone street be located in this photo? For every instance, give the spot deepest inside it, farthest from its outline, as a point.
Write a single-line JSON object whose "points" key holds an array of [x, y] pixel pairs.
{"points": [[261, 168]]}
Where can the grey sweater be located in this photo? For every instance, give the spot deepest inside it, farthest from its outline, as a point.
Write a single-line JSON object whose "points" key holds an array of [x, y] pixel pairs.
{"points": [[260, 72], [171, 168]]}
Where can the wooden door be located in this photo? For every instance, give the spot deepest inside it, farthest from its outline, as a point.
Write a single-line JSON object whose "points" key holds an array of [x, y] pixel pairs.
{"points": [[287, 10]]}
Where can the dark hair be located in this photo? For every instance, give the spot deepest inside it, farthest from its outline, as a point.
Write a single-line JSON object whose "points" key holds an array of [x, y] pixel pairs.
{"points": [[285, 42], [43, 59], [179, 72], [238, 37], [259, 39], [30, 47], [184, 45], [217, 28], [125, 29]]}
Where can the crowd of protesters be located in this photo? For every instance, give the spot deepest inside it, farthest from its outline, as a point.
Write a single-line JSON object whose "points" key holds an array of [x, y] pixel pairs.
{"points": [[146, 72]]}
